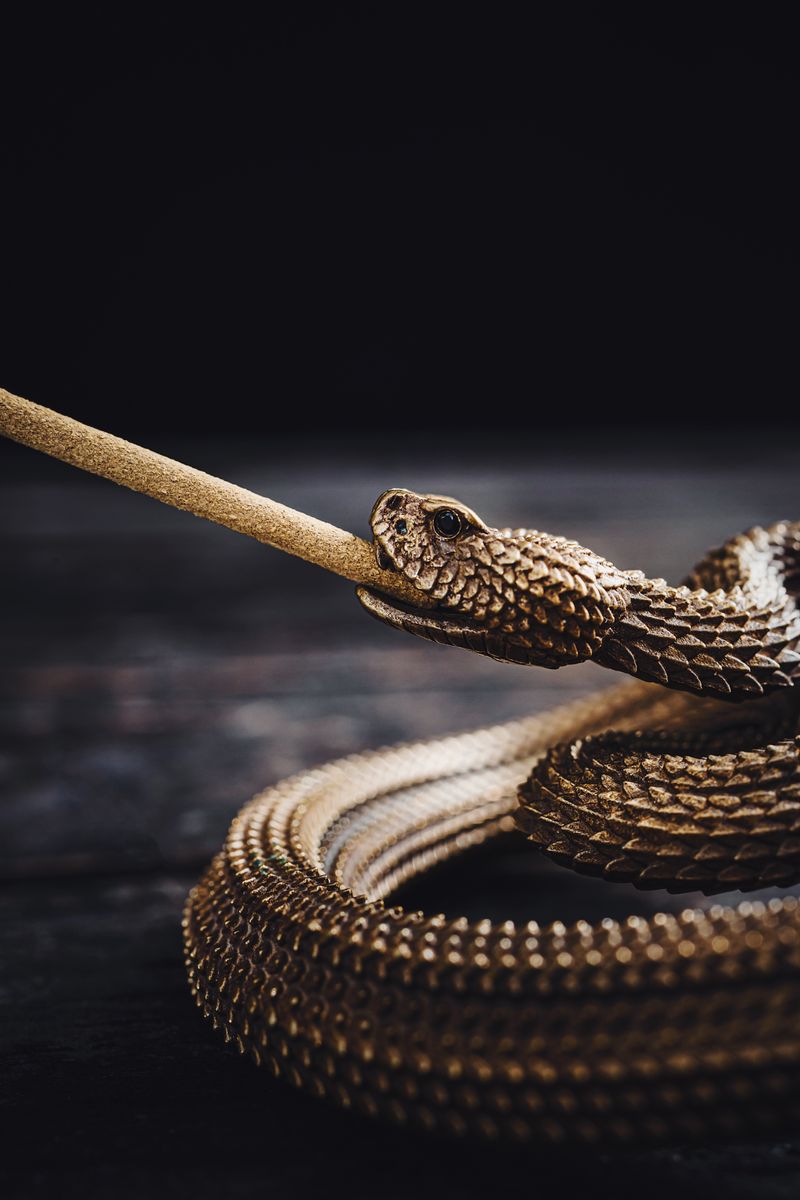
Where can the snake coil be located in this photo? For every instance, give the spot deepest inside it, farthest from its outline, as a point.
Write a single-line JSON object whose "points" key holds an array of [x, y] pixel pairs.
{"points": [[676, 1026]]}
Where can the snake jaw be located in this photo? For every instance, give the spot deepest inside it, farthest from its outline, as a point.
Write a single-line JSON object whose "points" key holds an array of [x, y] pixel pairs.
{"points": [[448, 630], [434, 624]]}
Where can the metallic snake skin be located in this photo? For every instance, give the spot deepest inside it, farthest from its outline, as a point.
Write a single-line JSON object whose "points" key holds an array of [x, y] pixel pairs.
{"points": [[672, 1027]]}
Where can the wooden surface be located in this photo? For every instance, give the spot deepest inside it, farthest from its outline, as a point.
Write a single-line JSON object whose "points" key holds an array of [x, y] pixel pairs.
{"points": [[156, 672]]}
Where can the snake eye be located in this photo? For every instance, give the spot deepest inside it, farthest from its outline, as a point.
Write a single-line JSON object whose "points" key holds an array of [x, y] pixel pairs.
{"points": [[447, 523], [401, 526]]}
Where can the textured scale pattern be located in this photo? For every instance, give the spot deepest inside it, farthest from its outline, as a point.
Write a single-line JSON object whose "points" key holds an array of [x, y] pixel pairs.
{"points": [[524, 596], [673, 1027], [631, 810]]}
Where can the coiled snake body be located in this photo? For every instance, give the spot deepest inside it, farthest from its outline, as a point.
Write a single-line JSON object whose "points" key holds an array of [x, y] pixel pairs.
{"points": [[676, 1026]]}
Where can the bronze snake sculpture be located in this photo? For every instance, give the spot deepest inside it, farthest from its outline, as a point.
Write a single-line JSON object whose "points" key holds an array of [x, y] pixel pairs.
{"points": [[672, 1027]]}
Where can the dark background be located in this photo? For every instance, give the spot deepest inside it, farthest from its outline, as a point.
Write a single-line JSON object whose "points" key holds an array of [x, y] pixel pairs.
{"points": [[390, 213]]}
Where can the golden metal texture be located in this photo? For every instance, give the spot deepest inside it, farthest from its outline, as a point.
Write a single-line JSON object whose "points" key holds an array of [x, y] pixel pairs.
{"points": [[673, 1027]]}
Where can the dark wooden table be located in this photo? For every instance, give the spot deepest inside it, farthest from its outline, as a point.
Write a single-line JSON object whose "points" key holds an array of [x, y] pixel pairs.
{"points": [[156, 672]]}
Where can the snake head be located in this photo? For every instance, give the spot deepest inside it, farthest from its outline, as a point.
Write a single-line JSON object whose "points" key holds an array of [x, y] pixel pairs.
{"points": [[500, 592], [433, 542], [424, 538]]}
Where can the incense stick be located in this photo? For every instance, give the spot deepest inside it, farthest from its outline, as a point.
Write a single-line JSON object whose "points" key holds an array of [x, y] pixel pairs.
{"points": [[185, 487]]}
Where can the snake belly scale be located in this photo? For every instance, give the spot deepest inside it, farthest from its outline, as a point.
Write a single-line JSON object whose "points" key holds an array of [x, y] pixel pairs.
{"points": [[685, 778]]}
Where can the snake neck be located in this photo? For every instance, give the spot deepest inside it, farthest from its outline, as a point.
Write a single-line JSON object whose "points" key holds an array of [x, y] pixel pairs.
{"points": [[732, 631]]}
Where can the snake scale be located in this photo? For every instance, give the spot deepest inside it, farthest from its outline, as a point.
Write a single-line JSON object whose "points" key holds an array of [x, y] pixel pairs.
{"points": [[677, 1026]]}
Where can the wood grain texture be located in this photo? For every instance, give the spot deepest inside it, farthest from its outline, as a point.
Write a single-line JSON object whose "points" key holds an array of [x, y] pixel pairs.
{"points": [[155, 673]]}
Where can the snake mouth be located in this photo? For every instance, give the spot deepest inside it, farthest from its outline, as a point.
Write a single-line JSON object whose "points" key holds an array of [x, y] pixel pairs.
{"points": [[438, 625]]}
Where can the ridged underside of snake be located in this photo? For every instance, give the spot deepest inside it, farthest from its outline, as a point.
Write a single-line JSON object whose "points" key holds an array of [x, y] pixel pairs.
{"points": [[649, 1029]]}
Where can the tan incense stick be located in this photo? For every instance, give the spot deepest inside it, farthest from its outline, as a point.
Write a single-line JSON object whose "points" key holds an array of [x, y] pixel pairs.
{"points": [[204, 495]]}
